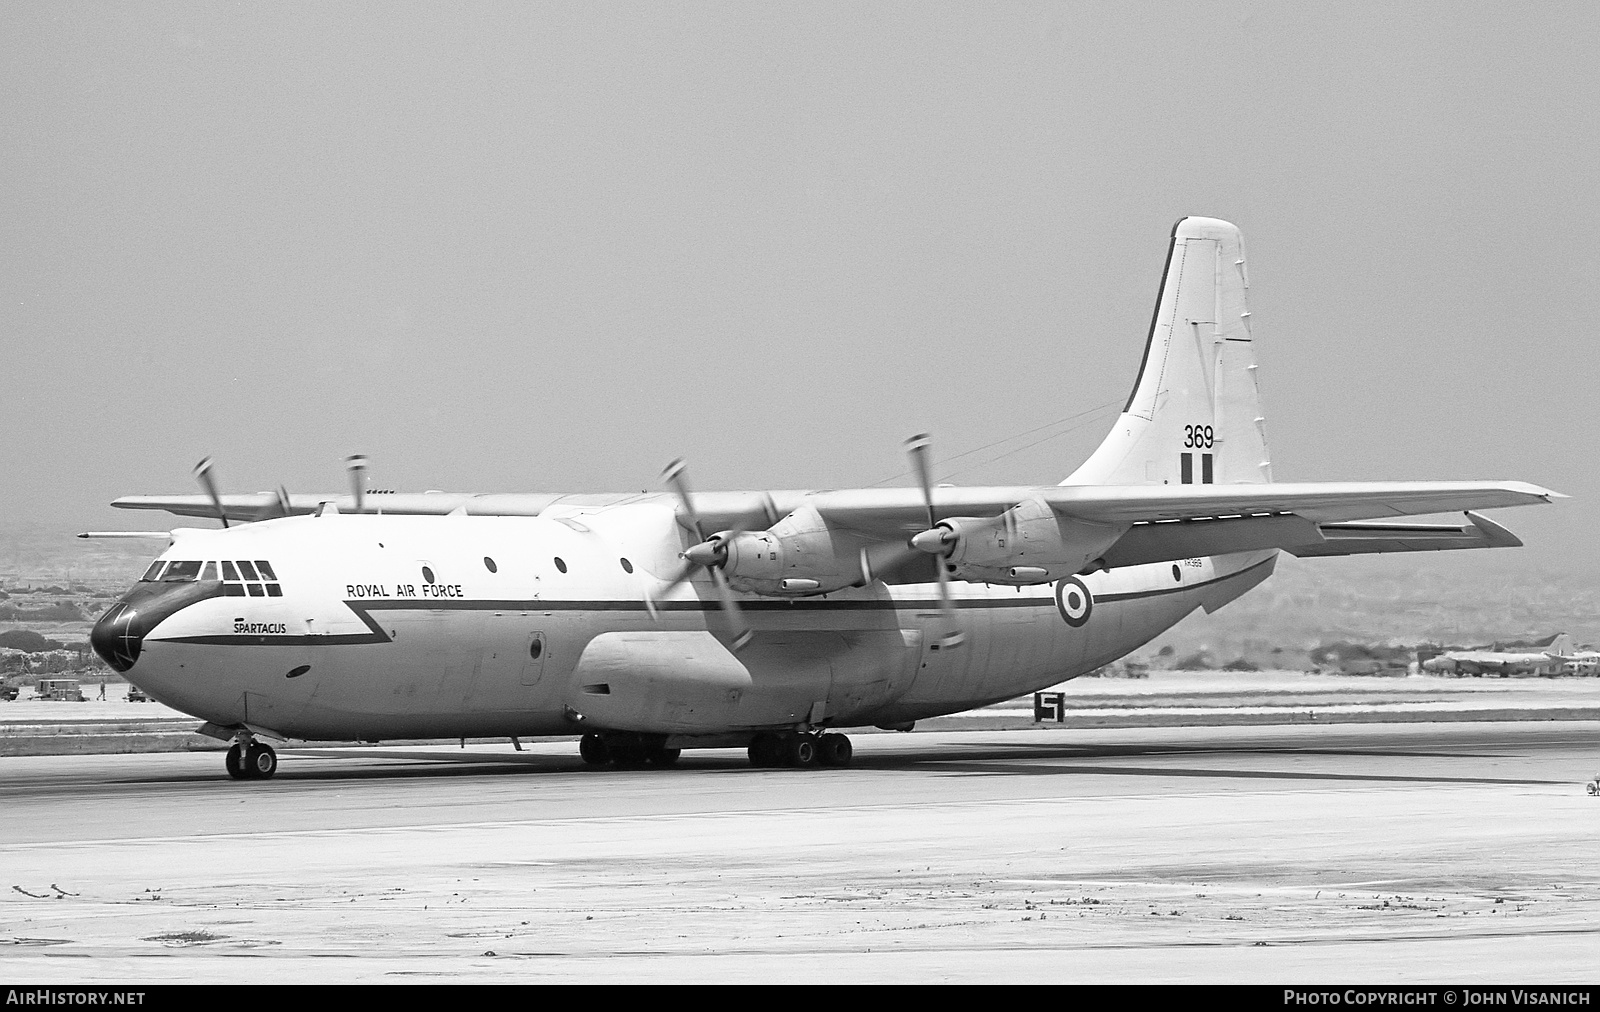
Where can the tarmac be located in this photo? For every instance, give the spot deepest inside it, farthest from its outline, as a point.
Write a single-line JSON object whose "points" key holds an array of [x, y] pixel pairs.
{"points": [[1424, 851]]}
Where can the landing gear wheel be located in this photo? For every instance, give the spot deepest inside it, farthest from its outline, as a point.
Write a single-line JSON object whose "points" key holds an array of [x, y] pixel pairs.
{"points": [[665, 757], [594, 750], [235, 763], [260, 761], [801, 750], [765, 750], [834, 749], [629, 757]]}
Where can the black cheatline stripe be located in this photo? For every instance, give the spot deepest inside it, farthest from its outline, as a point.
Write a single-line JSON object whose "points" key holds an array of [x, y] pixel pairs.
{"points": [[377, 635]]}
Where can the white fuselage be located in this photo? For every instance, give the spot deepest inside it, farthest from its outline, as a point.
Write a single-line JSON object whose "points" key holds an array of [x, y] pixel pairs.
{"points": [[389, 627]]}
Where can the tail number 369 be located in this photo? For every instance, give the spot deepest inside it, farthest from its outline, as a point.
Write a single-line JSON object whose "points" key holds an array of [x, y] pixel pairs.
{"points": [[1197, 437]]}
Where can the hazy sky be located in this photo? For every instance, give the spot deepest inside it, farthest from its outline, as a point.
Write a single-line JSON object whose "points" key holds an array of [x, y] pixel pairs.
{"points": [[552, 246]]}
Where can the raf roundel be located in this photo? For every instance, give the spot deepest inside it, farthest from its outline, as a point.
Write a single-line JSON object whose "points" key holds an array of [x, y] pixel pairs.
{"points": [[1074, 601]]}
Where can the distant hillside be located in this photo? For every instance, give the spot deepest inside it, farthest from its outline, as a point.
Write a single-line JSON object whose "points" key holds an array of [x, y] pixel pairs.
{"points": [[1459, 598]]}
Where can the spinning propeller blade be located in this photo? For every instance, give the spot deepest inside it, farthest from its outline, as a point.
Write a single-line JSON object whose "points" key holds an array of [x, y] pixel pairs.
{"points": [[356, 465], [933, 540], [708, 554], [278, 507], [202, 473]]}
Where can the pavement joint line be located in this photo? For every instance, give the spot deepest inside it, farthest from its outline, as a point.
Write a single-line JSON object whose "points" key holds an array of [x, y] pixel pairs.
{"points": [[678, 816]]}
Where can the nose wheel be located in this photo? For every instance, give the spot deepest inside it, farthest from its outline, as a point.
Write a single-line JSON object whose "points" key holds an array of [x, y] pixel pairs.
{"points": [[251, 760]]}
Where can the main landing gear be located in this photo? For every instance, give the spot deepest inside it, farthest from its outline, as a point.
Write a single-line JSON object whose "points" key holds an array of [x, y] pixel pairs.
{"points": [[249, 759], [800, 749], [627, 750]]}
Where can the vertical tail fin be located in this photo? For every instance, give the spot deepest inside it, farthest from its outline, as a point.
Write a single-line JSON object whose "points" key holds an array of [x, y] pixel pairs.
{"points": [[1194, 416]]}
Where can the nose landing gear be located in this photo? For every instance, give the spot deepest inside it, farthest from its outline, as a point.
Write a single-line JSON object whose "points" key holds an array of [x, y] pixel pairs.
{"points": [[249, 759]]}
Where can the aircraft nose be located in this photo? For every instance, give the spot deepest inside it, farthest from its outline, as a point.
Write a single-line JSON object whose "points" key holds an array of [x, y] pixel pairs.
{"points": [[117, 637]]}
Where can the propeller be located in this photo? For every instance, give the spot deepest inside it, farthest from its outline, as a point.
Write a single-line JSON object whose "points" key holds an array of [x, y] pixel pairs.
{"points": [[278, 507], [356, 465], [936, 541], [202, 473], [708, 553]]}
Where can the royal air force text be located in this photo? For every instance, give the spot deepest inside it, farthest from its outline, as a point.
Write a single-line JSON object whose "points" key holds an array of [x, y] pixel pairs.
{"points": [[360, 590]]}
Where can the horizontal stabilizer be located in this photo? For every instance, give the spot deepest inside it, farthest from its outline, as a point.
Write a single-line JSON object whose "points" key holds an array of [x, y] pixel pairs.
{"points": [[1372, 539]]}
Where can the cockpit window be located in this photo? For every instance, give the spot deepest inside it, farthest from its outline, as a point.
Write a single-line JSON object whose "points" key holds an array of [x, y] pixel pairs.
{"points": [[154, 572], [258, 579], [181, 572], [209, 572]]}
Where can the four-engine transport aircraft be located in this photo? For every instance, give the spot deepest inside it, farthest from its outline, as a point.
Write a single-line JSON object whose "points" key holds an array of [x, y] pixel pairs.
{"points": [[769, 620]]}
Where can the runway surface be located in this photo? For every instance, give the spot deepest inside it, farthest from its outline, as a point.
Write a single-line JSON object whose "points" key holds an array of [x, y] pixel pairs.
{"points": [[1448, 852]]}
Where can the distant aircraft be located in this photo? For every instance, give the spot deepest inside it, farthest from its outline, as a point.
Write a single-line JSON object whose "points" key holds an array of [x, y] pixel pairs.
{"points": [[1580, 662], [768, 620], [1546, 660]]}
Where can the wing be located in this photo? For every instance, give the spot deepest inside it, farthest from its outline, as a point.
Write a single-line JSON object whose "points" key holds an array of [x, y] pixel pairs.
{"points": [[1163, 522]]}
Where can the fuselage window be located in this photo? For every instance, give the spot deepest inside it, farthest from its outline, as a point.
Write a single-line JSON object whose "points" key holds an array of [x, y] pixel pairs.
{"points": [[627, 567], [488, 564], [181, 572], [248, 570], [536, 648], [427, 575], [266, 570], [153, 574], [561, 565], [208, 573]]}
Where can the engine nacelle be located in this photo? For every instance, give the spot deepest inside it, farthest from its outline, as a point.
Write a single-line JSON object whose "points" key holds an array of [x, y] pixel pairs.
{"points": [[1027, 544], [798, 555]]}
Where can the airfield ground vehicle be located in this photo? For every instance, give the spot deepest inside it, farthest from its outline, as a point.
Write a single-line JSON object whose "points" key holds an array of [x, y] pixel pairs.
{"points": [[59, 689]]}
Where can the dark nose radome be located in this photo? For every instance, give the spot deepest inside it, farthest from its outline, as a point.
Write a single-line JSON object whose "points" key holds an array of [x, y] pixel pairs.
{"points": [[117, 637]]}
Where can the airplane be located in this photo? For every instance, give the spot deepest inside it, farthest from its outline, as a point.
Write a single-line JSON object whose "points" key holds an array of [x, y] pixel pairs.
{"points": [[766, 620], [1545, 660]]}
